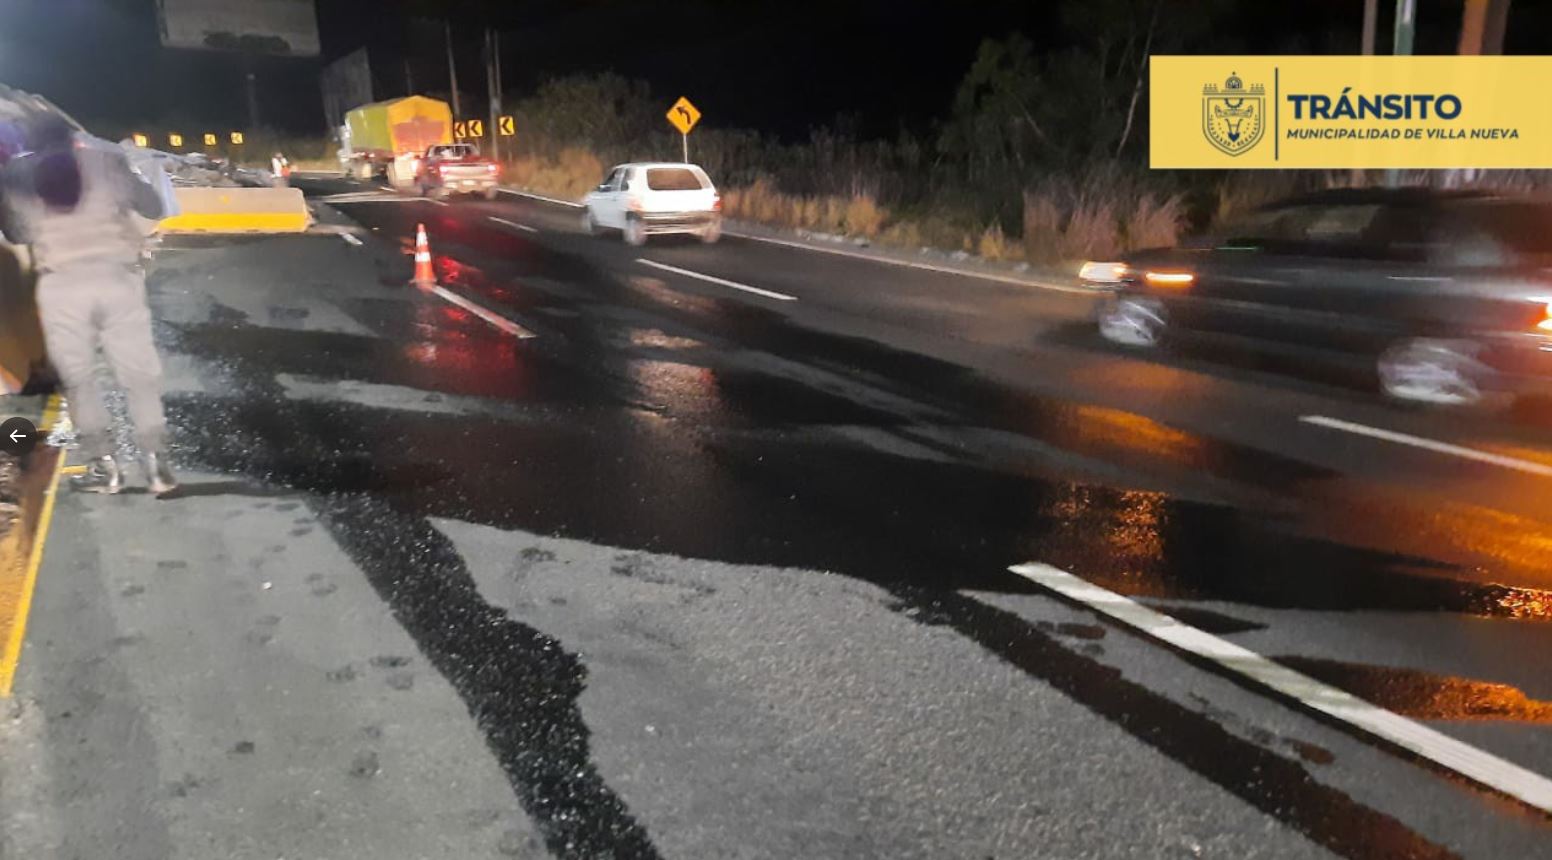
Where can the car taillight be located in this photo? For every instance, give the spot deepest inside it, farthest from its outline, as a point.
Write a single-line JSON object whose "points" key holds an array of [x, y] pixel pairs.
{"points": [[1172, 280], [1546, 319], [634, 204], [493, 168], [716, 203]]}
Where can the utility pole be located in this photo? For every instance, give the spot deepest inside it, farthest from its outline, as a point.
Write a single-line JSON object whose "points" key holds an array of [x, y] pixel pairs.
{"points": [[409, 78], [493, 82], [1482, 27], [1370, 24], [1406, 26], [1371, 14], [452, 68]]}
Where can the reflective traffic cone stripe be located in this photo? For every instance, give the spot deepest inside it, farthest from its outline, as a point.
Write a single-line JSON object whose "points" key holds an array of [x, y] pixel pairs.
{"points": [[425, 276]]}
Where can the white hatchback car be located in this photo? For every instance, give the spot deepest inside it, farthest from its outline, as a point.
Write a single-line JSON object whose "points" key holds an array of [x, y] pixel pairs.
{"points": [[645, 199]]}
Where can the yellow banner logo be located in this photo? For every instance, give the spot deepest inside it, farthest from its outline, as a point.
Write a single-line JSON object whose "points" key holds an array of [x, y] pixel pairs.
{"points": [[1349, 112]]}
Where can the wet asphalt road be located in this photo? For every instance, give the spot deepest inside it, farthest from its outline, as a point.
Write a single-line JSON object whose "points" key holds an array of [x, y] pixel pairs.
{"points": [[776, 533]]}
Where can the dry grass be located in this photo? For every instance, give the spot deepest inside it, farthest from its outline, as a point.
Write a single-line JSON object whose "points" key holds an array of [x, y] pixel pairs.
{"points": [[1154, 222], [762, 202], [569, 176], [994, 245]]}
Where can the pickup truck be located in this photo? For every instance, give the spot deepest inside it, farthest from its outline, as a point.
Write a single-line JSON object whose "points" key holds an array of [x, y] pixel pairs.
{"points": [[457, 168]]}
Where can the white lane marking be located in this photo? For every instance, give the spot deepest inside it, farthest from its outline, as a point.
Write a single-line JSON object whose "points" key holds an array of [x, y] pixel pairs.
{"points": [[909, 264], [533, 196], [523, 227], [484, 313], [714, 280], [1528, 466], [1466, 760], [351, 239], [366, 197], [439, 202]]}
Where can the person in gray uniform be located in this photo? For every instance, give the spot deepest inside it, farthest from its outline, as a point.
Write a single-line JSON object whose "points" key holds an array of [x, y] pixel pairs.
{"points": [[74, 200]]}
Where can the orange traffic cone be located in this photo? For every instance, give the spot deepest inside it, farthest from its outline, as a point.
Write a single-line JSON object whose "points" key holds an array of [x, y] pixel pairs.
{"points": [[425, 276]]}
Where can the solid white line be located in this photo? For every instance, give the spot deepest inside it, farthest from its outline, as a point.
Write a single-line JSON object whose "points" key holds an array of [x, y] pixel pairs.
{"points": [[439, 202], [524, 227], [484, 313], [351, 239], [367, 197], [714, 280], [1528, 466], [928, 267], [573, 204], [1478, 765]]}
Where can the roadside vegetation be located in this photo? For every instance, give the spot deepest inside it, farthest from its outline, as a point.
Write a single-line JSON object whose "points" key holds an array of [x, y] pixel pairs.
{"points": [[1041, 158]]}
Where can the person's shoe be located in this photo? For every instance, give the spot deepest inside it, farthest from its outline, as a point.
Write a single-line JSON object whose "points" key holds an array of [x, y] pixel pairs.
{"points": [[103, 475], [159, 476]]}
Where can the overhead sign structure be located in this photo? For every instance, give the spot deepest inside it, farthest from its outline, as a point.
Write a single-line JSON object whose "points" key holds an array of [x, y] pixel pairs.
{"points": [[237, 138], [210, 139], [176, 140], [683, 116], [507, 126], [285, 27], [141, 140]]}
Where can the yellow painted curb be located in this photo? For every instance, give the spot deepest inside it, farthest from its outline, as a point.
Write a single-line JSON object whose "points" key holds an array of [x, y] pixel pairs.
{"points": [[16, 596]]}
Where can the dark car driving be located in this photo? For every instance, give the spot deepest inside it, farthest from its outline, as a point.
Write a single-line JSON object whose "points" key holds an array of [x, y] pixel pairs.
{"points": [[1447, 295]]}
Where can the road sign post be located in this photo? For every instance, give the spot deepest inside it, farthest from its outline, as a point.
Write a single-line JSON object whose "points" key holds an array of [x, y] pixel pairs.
{"points": [[683, 116]]}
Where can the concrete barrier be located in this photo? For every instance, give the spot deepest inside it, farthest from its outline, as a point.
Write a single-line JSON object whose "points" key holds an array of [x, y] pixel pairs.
{"points": [[239, 210]]}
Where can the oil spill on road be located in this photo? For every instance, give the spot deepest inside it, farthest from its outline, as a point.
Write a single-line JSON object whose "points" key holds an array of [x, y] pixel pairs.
{"points": [[1425, 695]]}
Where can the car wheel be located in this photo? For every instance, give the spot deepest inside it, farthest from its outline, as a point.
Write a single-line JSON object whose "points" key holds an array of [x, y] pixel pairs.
{"points": [[635, 232], [711, 233], [589, 223], [1131, 322], [490, 193], [1434, 372]]}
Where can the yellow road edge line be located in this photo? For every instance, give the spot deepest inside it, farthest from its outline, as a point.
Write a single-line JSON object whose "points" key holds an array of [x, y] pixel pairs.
{"points": [[73, 470], [11, 656], [50, 414]]}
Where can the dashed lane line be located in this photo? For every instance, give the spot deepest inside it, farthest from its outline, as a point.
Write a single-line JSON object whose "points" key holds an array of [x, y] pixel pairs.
{"points": [[1527, 466], [710, 279], [529, 194], [1475, 764], [524, 227]]}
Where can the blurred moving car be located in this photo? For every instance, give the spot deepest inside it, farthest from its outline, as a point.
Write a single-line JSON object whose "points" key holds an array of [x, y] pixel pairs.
{"points": [[456, 168], [641, 200], [1446, 295]]}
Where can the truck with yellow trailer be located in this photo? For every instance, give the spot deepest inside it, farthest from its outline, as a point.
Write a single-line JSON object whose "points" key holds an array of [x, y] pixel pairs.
{"points": [[383, 138]]}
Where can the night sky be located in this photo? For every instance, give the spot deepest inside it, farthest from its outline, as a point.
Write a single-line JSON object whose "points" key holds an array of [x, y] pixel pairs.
{"points": [[780, 67]]}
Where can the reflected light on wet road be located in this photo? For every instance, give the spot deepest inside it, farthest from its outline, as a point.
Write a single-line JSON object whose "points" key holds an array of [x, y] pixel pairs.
{"points": [[1114, 427], [674, 388]]}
